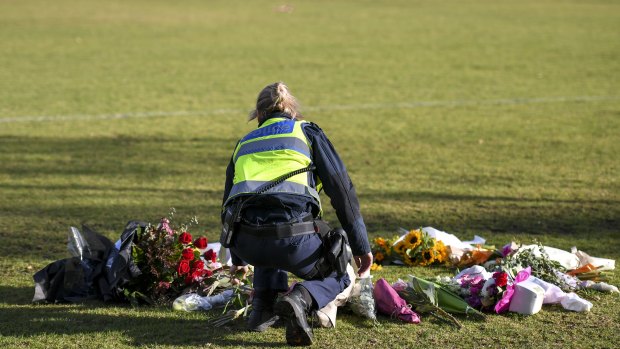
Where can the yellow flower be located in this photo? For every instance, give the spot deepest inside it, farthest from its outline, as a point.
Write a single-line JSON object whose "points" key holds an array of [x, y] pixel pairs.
{"points": [[400, 247], [379, 257], [408, 261], [414, 238], [375, 267], [428, 257], [441, 252]]}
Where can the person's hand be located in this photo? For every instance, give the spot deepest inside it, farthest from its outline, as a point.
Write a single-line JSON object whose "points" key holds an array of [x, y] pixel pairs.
{"points": [[236, 271], [363, 264]]}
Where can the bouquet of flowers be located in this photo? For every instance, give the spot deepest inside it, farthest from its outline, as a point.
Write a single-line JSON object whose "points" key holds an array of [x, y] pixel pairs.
{"points": [[541, 265], [382, 250], [172, 262], [413, 248], [481, 293], [428, 297]]}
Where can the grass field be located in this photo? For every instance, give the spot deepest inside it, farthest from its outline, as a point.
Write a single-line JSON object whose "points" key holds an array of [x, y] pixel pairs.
{"points": [[495, 118]]}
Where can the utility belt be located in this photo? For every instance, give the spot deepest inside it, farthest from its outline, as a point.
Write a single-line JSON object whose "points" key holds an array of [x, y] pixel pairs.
{"points": [[336, 251], [278, 231]]}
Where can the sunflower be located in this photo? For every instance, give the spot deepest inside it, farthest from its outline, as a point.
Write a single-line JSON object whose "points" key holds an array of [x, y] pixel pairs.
{"points": [[441, 252], [400, 247], [379, 257], [414, 238], [427, 257], [408, 261]]}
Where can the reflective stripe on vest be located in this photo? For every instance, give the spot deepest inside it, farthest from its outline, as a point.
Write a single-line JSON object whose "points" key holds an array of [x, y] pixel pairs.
{"points": [[276, 148]]}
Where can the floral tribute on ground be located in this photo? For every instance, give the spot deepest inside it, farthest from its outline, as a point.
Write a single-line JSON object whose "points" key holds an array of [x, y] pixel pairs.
{"points": [[413, 248], [172, 262], [514, 278], [167, 265]]}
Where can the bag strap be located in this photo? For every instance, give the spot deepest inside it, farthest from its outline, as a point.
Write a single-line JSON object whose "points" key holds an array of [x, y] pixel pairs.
{"points": [[281, 179], [265, 187]]}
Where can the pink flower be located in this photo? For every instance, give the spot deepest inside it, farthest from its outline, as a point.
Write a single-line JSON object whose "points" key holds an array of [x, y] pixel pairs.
{"points": [[165, 226], [163, 285], [477, 280]]}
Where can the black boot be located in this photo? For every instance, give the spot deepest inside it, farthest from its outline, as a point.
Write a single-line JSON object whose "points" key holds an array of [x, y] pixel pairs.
{"points": [[262, 316], [293, 309]]}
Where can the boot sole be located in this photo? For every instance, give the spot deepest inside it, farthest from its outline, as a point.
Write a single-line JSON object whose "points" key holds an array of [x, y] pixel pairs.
{"points": [[296, 335], [272, 322]]}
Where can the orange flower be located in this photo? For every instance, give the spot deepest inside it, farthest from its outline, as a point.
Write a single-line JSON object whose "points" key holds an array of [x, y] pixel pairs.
{"points": [[380, 242], [379, 257]]}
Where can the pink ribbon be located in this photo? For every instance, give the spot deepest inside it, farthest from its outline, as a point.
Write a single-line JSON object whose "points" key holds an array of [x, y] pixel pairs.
{"points": [[504, 303]]}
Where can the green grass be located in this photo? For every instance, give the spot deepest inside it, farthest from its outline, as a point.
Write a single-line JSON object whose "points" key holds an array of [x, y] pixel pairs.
{"points": [[519, 141]]}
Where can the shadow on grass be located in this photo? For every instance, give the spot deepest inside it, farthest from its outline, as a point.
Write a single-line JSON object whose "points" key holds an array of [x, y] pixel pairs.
{"points": [[143, 161], [16, 295], [136, 157], [142, 326], [51, 225]]}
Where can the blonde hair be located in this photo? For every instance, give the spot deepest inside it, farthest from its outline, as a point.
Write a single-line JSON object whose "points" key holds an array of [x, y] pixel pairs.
{"points": [[275, 98]]}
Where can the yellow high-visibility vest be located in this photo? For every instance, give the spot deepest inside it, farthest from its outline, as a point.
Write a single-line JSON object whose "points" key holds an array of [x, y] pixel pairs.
{"points": [[279, 146]]}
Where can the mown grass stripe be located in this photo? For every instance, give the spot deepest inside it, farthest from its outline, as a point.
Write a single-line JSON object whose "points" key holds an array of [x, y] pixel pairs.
{"points": [[366, 106]]}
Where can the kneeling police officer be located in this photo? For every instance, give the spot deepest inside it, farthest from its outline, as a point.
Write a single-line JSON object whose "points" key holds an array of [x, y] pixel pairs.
{"points": [[271, 216]]}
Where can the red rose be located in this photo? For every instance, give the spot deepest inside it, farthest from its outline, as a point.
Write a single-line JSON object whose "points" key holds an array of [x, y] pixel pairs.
{"points": [[211, 256], [185, 238], [208, 273], [183, 267], [501, 278], [188, 254], [199, 265], [201, 242], [194, 275]]}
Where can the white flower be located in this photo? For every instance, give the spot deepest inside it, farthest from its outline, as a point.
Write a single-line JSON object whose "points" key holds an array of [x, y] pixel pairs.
{"points": [[213, 265], [485, 288]]}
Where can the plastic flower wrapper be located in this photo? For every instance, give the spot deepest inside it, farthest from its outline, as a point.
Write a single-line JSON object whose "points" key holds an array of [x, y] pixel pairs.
{"points": [[390, 303], [362, 301], [193, 302], [430, 298], [590, 272]]}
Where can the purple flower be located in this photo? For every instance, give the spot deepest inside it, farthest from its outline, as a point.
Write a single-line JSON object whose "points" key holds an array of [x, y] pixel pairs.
{"points": [[475, 290], [474, 301], [492, 290], [507, 249]]}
